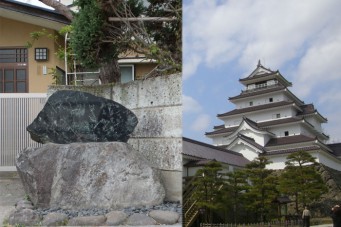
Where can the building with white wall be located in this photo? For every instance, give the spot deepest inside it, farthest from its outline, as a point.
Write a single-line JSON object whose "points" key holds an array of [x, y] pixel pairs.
{"points": [[269, 120]]}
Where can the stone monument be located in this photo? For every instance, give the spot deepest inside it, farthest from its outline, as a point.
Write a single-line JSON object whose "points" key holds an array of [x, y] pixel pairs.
{"points": [[85, 162]]}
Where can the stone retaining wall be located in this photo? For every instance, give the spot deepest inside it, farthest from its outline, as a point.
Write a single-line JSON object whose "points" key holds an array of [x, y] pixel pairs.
{"points": [[157, 104]]}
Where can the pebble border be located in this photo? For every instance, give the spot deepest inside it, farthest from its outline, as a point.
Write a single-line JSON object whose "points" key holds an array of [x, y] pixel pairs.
{"points": [[171, 214]]}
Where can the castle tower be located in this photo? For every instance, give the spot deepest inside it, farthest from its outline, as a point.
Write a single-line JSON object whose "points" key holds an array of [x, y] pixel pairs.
{"points": [[270, 120]]}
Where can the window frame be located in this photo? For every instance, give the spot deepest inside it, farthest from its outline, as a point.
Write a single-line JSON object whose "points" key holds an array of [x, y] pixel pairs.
{"points": [[132, 66], [14, 59]]}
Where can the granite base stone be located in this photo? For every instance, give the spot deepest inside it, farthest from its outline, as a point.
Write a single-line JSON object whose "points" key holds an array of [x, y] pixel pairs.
{"points": [[163, 214]]}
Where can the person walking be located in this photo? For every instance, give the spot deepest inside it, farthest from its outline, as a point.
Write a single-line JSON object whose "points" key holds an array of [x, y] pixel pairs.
{"points": [[336, 216], [306, 217]]}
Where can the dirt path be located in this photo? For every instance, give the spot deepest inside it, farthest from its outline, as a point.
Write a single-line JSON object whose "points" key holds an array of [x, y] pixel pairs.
{"points": [[11, 191]]}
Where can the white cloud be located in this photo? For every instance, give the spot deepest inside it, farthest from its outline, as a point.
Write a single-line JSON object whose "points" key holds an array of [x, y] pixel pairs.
{"points": [[320, 65], [190, 105], [248, 30], [201, 123], [191, 65], [331, 97]]}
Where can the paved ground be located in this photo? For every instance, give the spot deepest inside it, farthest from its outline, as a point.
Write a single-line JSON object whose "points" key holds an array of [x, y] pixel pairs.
{"points": [[11, 191]]}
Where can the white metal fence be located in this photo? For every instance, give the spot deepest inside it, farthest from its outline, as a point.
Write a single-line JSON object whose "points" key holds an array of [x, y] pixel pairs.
{"points": [[17, 111]]}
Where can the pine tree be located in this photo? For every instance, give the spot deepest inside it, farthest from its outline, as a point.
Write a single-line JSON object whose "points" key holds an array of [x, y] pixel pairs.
{"points": [[234, 199], [209, 182], [301, 180], [262, 189]]}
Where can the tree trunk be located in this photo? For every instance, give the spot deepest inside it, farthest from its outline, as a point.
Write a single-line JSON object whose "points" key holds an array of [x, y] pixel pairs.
{"points": [[110, 72], [60, 8]]}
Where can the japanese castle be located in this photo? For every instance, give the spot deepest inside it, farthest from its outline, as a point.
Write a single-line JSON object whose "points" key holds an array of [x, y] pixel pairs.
{"points": [[269, 120]]}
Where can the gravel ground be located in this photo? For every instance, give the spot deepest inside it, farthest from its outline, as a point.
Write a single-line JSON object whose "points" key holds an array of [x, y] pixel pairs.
{"points": [[167, 206]]}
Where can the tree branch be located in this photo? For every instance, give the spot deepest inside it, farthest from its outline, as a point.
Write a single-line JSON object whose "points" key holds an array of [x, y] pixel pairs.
{"points": [[60, 8], [114, 19]]}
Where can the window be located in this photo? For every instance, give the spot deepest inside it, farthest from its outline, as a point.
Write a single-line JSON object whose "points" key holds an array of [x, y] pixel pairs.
{"points": [[41, 54], [13, 80], [278, 115], [271, 100], [13, 70], [286, 133], [127, 73], [251, 103], [13, 55]]}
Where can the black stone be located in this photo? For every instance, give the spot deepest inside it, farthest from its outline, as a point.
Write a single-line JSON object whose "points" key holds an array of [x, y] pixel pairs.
{"points": [[73, 116]]}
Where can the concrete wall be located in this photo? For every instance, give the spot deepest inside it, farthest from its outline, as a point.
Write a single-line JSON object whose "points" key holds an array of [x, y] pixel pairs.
{"points": [[158, 136]]}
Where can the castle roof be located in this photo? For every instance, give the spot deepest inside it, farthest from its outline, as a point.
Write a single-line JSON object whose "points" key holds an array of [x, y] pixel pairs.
{"points": [[221, 130], [202, 150], [289, 140], [256, 108], [261, 74], [336, 148], [249, 140], [292, 150], [309, 110], [266, 90], [255, 92]]}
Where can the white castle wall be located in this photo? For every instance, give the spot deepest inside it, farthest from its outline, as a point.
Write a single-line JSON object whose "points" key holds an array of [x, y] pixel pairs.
{"points": [[261, 116], [259, 100], [278, 161]]}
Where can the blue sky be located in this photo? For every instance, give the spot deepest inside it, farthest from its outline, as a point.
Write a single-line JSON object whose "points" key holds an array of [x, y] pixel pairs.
{"points": [[223, 41]]}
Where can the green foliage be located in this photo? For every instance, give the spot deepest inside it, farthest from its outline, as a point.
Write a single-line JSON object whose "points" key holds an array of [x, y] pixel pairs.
{"points": [[262, 189], [208, 191], [59, 43], [56, 77], [167, 35], [27, 197], [87, 34], [301, 180], [234, 196]]}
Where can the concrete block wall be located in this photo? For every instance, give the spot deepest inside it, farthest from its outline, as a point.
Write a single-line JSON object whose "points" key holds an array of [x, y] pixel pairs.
{"points": [[157, 104]]}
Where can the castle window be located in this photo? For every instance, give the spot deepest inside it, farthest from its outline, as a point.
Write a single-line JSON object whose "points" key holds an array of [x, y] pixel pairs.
{"points": [[251, 103], [286, 133], [271, 100], [278, 115]]}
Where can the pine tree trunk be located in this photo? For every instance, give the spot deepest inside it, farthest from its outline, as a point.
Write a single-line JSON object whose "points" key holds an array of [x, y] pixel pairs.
{"points": [[110, 72]]}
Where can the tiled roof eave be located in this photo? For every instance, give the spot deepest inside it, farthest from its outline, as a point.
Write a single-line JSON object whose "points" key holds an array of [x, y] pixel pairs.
{"points": [[315, 113], [34, 11], [274, 123], [263, 76], [250, 142], [216, 133], [256, 108], [249, 94], [291, 150], [290, 140]]}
